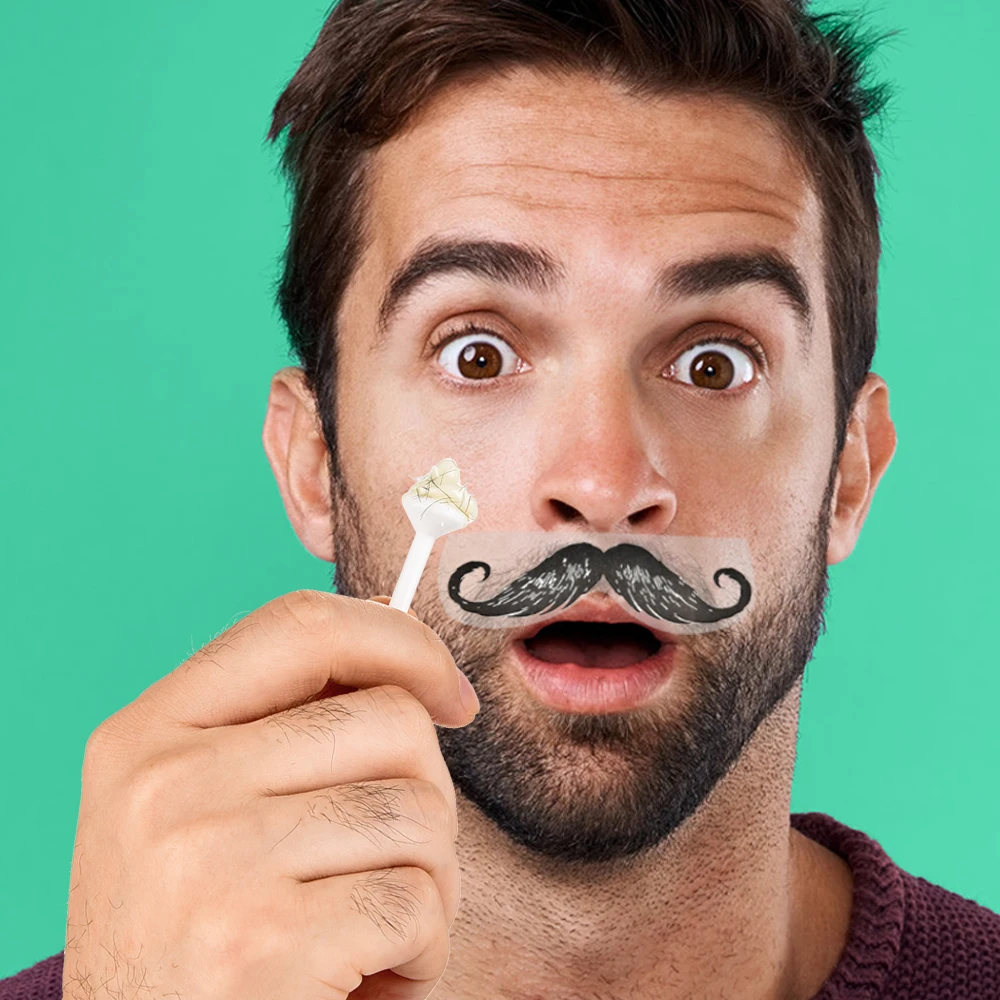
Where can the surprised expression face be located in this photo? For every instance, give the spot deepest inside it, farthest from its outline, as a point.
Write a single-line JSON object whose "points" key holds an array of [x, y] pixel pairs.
{"points": [[611, 311]]}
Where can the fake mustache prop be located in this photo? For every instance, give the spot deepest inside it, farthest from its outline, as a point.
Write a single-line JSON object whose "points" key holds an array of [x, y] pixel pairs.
{"points": [[657, 578]]}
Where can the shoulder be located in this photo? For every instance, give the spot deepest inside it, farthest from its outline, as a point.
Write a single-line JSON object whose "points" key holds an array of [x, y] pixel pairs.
{"points": [[908, 938], [41, 981], [949, 942]]}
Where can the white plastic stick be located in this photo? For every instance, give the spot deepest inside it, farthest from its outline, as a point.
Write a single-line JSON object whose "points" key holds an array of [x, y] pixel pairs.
{"points": [[413, 568]]}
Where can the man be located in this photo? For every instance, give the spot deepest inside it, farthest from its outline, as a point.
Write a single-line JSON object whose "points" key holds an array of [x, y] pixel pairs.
{"points": [[619, 259]]}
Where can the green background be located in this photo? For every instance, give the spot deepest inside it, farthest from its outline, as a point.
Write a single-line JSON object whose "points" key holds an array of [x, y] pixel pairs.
{"points": [[141, 219]]}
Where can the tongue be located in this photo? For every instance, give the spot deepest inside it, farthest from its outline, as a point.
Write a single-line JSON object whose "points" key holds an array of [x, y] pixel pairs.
{"points": [[592, 644]]}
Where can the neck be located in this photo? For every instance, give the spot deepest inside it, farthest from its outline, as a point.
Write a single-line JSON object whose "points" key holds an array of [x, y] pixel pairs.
{"points": [[733, 905]]}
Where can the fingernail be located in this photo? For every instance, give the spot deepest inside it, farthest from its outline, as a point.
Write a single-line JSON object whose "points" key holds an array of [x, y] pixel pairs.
{"points": [[470, 700]]}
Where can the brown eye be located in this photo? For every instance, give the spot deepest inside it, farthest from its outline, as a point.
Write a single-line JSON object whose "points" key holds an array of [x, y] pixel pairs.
{"points": [[480, 360], [719, 365], [712, 370], [478, 356]]}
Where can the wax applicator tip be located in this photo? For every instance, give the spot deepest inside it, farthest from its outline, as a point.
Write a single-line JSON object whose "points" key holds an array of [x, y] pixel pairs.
{"points": [[436, 504]]}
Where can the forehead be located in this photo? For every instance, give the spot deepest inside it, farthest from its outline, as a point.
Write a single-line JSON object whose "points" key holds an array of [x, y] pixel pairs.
{"points": [[604, 179]]}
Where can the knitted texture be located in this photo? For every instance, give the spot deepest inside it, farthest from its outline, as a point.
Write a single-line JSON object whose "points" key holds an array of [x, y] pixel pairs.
{"points": [[41, 982], [908, 939]]}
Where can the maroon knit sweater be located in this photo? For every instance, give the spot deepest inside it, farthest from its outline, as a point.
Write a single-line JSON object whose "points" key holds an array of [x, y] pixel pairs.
{"points": [[908, 939]]}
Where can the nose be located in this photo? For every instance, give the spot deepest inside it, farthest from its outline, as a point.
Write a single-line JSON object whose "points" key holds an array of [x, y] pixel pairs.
{"points": [[602, 470]]}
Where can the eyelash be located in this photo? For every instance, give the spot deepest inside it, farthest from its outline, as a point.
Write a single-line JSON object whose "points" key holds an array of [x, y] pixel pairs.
{"points": [[470, 327], [743, 339]]}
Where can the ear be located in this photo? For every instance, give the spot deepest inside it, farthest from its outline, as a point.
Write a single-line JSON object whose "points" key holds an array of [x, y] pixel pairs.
{"points": [[868, 449], [297, 452]]}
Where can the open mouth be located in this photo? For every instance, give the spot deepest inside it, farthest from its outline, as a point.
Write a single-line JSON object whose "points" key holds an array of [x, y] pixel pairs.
{"points": [[593, 644]]}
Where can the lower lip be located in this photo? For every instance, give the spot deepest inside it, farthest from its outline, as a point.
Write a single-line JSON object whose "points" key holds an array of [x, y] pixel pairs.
{"points": [[569, 687]]}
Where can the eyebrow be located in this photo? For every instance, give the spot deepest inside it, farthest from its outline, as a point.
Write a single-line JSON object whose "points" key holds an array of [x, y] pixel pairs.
{"points": [[518, 264], [534, 269], [719, 272]]}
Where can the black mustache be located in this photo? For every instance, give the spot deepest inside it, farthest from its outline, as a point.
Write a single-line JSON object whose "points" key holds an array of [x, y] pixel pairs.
{"points": [[633, 572]]}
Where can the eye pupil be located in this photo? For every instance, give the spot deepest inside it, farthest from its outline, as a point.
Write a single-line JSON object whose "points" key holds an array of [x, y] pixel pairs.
{"points": [[712, 370], [480, 360]]}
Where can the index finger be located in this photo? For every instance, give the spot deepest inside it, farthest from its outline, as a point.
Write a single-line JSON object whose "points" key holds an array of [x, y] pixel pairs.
{"points": [[291, 649]]}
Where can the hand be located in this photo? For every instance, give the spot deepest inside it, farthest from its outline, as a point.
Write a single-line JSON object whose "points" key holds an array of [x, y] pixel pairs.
{"points": [[274, 819]]}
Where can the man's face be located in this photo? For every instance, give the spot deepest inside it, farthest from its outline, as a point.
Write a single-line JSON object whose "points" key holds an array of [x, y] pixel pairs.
{"points": [[636, 342]]}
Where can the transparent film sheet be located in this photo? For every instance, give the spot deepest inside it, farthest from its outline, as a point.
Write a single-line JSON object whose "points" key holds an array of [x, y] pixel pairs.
{"points": [[510, 579]]}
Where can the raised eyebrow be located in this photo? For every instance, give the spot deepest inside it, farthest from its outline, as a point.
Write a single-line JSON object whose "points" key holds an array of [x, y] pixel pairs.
{"points": [[518, 264], [719, 272], [533, 268]]}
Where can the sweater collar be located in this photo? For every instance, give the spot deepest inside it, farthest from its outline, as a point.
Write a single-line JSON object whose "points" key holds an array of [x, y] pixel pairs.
{"points": [[877, 909]]}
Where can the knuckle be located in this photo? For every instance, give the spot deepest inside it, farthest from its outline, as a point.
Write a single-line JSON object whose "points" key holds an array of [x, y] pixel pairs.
{"points": [[432, 809], [146, 789], [227, 639], [321, 721], [400, 901], [238, 938], [402, 713], [309, 610], [98, 745], [205, 860], [370, 809], [422, 886], [153, 788], [179, 855]]}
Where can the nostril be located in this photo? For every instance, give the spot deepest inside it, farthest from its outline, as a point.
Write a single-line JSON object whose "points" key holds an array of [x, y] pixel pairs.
{"points": [[566, 512], [643, 516]]}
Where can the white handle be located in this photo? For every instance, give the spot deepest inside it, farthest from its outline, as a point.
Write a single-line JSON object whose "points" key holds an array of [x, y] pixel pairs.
{"points": [[413, 568]]}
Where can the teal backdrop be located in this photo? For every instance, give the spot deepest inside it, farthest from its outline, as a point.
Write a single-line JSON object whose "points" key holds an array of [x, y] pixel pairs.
{"points": [[141, 220]]}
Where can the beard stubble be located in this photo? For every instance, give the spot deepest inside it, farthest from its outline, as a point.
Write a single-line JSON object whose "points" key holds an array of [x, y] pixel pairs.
{"points": [[588, 788]]}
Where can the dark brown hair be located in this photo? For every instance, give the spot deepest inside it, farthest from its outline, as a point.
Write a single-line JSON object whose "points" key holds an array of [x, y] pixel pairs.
{"points": [[377, 61]]}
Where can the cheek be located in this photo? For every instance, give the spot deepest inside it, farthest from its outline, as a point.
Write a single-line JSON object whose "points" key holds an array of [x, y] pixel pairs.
{"points": [[394, 429], [390, 431], [785, 487], [762, 478]]}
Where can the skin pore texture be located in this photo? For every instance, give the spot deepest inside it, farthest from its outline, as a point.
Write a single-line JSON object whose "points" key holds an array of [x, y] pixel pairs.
{"points": [[588, 427]]}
